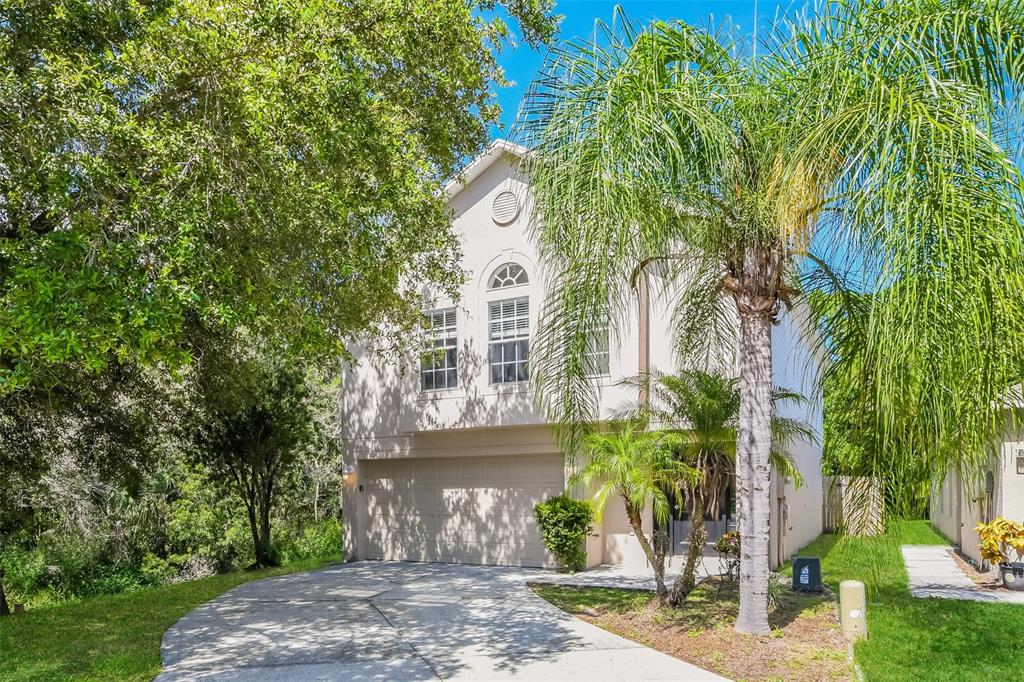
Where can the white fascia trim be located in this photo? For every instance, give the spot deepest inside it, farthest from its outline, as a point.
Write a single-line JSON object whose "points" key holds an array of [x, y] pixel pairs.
{"points": [[482, 163]]}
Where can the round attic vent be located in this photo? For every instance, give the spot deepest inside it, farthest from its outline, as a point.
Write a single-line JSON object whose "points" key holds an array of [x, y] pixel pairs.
{"points": [[505, 207]]}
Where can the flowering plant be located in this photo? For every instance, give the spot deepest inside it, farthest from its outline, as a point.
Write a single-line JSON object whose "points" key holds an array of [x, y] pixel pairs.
{"points": [[999, 537]]}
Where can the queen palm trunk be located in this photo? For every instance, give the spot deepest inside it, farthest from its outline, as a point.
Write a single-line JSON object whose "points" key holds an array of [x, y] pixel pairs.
{"points": [[753, 449], [686, 581]]}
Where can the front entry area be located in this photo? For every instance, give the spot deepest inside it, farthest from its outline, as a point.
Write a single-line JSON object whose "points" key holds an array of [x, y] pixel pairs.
{"points": [[717, 521], [472, 510]]}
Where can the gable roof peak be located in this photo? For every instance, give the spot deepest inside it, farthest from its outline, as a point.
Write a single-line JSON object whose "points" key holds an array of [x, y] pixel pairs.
{"points": [[481, 163]]}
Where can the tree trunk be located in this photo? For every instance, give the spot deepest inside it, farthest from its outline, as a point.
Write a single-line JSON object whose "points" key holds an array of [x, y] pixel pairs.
{"points": [[753, 471], [657, 558], [4, 609], [259, 551], [264, 556], [686, 580], [316, 501]]}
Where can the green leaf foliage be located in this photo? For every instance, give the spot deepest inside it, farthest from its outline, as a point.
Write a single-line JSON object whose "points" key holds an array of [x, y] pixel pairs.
{"points": [[699, 412], [254, 415], [564, 524], [274, 165], [874, 139], [635, 465]]}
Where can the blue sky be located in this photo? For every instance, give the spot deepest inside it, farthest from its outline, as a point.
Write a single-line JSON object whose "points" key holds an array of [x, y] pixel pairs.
{"points": [[522, 63]]}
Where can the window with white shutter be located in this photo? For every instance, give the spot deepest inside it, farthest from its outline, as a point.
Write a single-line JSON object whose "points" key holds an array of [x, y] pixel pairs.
{"points": [[508, 323]]}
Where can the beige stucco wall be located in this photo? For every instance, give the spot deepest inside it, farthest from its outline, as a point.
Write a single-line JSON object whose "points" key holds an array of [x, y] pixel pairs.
{"points": [[1011, 484], [621, 547], [944, 509], [960, 502], [798, 515], [384, 414]]}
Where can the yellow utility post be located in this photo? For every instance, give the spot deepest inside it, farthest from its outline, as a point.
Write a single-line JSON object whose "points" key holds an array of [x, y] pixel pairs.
{"points": [[853, 610]]}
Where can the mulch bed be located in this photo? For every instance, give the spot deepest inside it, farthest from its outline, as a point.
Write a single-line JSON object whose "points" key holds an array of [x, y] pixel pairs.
{"points": [[805, 645], [989, 580]]}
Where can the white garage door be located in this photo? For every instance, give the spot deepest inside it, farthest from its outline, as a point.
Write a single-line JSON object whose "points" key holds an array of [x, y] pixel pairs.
{"points": [[476, 510]]}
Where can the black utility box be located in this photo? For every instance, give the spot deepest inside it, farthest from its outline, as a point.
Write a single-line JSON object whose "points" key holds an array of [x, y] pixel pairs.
{"points": [[807, 574]]}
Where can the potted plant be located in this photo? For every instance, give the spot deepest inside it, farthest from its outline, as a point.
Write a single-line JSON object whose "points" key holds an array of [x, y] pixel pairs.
{"points": [[998, 539]]}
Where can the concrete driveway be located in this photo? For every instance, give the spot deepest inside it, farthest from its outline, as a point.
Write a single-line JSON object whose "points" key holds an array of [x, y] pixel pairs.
{"points": [[402, 621]]}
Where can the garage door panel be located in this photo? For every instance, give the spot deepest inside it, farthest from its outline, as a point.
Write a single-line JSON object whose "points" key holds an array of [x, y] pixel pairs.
{"points": [[402, 501], [499, 471], [507, 529], [428, 500], [461, 510], [511, 530], [472, 471], [504, 525], [425, 471], [449, 535], [534, 472]]}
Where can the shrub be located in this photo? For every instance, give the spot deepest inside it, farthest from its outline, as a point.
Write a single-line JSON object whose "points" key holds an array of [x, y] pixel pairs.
{"points": [[564, 525], [207, 523], [776, 585], [157, 570], [194, 568], [321, 540], [110, 579], [728, 548], [318, 540], [24, 572], [998, 538]]}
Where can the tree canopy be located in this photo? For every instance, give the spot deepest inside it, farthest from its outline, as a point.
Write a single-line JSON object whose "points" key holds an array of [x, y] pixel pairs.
{"points": [[176, 175], [272, 165]]}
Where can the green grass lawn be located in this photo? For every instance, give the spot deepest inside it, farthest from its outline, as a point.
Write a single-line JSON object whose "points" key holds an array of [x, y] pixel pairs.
{"points": [[920, 639], [113, 637]]}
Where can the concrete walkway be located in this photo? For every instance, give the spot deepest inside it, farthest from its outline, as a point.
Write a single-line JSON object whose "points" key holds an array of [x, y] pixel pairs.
{"points": [[625, 578], [933, 573], [402, 621]]}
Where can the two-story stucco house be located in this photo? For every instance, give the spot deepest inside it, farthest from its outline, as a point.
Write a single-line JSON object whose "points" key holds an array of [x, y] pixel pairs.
{"points": [[447, 455]]}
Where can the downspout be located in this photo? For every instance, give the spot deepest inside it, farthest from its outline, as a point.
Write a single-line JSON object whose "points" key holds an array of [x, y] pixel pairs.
{"points": [[639, 282], [644, 359], [642, 286]]}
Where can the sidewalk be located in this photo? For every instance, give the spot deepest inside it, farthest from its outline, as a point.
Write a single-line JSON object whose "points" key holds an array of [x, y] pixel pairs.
{"points": [[933, 573]]}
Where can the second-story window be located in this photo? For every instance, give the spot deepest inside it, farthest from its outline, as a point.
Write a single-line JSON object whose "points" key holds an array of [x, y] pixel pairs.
{"points": [[508, 323], [597, 354], [440, 356]]}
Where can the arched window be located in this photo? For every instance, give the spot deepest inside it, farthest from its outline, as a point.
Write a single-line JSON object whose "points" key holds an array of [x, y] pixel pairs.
{"points": [[508, 275]]}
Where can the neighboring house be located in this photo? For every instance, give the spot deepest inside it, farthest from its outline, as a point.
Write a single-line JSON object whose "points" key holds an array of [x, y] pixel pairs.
{"points": [[447, 456], [961, 502]]}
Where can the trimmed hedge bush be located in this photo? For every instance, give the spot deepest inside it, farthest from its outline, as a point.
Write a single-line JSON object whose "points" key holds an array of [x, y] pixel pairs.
{"points": [[564, 525]]}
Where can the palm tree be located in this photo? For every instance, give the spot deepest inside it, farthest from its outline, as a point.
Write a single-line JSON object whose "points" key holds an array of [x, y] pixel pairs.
{"points": [[639, 468], [701, 411], [880, 133]]}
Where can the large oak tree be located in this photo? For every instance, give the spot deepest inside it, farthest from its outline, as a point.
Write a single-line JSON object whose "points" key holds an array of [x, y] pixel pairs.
{"points": [[173, 166], [273, 164]]}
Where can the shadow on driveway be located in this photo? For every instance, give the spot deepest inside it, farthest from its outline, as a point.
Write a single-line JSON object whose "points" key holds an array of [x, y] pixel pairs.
{"points": [[401, 621]]}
